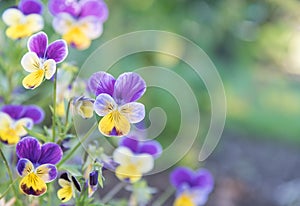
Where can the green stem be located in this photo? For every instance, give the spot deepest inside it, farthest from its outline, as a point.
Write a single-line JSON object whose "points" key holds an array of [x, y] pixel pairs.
{"points": [[67, 113], [113, 192], [91, 130], [54, 107], [9, 187], [164, 197], [9, 172]]}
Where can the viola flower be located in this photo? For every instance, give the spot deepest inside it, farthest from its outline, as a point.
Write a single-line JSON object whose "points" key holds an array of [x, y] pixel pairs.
{"points": [[13, 119], [136, 146], [132, 166], [36, 165], [78, 22], [69, 185], [193, 187], [115, 100], [41, 59], [84, 107], [93, 182], [18, 112], [24, 20]]}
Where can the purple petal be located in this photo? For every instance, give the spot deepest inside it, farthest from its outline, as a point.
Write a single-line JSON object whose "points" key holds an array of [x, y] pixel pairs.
{"points": [[129, 87], [29, 148], [151, 147], [35, 113], [130, 143], [68, 6], [203, 179], [38, 43], [57, 50], [14, 111], [31, 7], [24, 166], [51, 154], [101, 82], [94, 8], [181, 176]]}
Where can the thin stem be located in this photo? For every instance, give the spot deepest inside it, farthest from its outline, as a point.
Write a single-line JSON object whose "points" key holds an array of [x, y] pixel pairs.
{"points": [[54, 107], [9, 187], [67, 113], [91, 130], [113, 192], [9, 172], [164, 197]]}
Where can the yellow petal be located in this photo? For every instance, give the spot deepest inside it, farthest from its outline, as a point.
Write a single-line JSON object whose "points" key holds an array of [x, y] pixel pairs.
{"points": [[65, 193], [12, 17], [33, 80], [76, 37], [32, 185], [128, 173], [9, 136], [184, 200], [114, 124], [18, 31], [50, 68]]}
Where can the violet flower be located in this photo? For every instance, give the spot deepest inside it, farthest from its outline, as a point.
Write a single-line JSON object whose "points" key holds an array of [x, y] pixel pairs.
{"points": [[36, 165], [24, 20], [78, 22], [115, 100], [193, 187], [13, 119], [41, 59]]}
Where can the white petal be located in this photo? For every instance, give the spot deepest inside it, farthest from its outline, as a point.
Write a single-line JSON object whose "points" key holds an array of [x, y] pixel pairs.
{"points": [[144, 162], [20, 124], [50, 68], [30, 62], [91, 27], [104, 104], [62, 23], [5, 120], [122, 155], [35, 22], [133, 111], [12, 17]]}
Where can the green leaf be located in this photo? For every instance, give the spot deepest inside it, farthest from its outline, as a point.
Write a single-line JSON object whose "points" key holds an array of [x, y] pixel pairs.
{"points": [[37, 135], [72, 169]]}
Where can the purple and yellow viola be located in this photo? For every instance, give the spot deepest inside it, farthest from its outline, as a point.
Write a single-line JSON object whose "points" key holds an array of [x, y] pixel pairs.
{"points": [[193, 187], [13, 119], [36, 165], [23, 20], [41, 59], [78, 22], [135, 158], [115, 101]]}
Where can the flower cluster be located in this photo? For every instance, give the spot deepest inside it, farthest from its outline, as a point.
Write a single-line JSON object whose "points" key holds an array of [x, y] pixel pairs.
{"points": [[43, 140]]}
